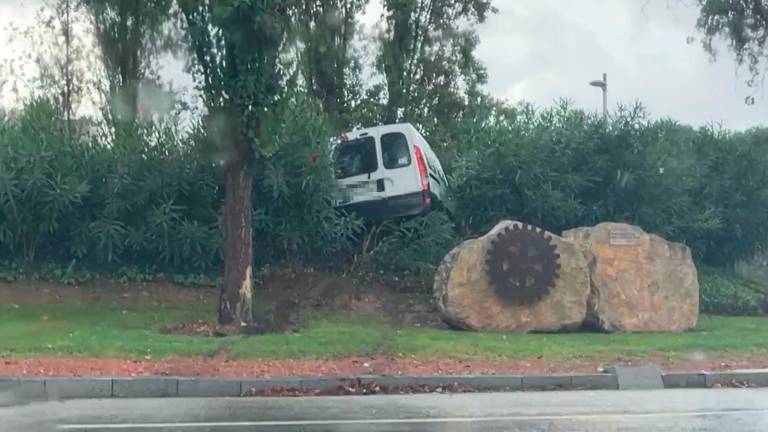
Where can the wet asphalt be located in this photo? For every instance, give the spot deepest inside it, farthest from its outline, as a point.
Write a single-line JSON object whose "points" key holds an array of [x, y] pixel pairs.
{"points": [[648, 410]]}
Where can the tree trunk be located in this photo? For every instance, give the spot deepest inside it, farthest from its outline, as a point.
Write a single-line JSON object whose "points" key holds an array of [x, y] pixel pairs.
{"points": [[68, 69], [236, 292]]}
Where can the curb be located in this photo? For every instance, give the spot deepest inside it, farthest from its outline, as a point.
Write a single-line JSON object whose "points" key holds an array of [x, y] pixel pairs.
{"points": [[17, 389], [736, 378], [22, 389]]}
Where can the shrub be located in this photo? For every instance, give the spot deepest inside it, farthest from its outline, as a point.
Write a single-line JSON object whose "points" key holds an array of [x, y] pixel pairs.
{"points": [[148, 195], [517, 162], [155, 203], [41, 184], [732, 168], [558, 168], [414, 245], [293, 190], [725, 293]]}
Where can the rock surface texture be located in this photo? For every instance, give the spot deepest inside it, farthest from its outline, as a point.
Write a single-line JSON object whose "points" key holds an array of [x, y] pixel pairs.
{"points": [[639, 281], [515, 278]]}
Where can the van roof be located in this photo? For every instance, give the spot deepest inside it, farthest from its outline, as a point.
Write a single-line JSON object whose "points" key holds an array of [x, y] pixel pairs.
{"points": [[382, 128]]}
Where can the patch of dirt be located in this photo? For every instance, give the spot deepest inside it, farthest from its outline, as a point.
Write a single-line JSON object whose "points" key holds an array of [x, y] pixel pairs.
{"points": [[103, 290], [224, 367], [283, 294], [365, 365], [199, 328]]}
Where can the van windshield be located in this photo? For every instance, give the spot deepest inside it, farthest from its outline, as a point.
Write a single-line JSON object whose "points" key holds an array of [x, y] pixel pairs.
{"points": [[355, 157]]}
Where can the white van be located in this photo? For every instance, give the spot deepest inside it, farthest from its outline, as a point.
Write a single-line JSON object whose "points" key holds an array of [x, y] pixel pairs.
{"points": [[388, 171]]}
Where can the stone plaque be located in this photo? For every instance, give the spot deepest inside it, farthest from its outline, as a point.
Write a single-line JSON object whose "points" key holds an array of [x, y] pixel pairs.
{"points": [[623, 236]]}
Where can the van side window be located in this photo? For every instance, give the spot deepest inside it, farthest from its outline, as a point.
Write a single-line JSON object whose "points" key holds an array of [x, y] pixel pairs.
{"points": [[394, 150], [355, 157]]}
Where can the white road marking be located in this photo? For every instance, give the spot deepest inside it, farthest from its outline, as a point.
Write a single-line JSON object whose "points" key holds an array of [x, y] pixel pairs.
{"points": [[182, 425]]}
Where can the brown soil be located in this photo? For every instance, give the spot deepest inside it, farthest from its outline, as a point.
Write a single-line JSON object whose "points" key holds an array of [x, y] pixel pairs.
{"points": [[200, 328], [282, 294], [102, 290], [369, 365]]}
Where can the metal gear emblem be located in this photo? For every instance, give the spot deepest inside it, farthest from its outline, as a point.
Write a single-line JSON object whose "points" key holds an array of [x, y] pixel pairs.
{"points": [[522, 264]]}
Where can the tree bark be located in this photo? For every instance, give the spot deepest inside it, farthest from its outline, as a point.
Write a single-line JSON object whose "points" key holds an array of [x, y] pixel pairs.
{"points": [[236, 292]]}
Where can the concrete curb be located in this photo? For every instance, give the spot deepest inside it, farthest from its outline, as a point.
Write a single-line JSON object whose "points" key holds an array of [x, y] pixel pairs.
{"points": [[77, 388], [735, 378], [638, 377], [38, 388]]}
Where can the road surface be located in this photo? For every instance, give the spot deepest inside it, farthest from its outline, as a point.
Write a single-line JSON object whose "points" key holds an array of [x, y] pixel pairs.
{"points": [[650, 410]]}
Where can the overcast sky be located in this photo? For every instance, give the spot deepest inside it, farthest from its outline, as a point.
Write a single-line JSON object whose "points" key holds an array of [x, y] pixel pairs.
{"points": [[545, 49], [541, 50]]}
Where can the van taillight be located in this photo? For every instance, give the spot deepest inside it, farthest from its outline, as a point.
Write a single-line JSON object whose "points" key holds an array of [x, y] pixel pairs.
{"points": [[422, 165]]}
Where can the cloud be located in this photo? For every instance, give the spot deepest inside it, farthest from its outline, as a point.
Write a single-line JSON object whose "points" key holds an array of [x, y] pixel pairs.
{"points": [[543, 50]]}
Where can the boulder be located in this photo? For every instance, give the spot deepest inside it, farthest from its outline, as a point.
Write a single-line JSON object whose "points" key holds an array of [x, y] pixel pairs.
{"points": [[515, 278], [639, 281]]}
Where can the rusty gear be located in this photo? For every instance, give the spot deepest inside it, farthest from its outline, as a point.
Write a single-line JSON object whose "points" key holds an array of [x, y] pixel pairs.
{"points": [[522, 264]]}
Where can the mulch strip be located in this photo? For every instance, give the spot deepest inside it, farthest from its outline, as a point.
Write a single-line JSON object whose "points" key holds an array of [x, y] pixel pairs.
{"points": [[221, 366]]}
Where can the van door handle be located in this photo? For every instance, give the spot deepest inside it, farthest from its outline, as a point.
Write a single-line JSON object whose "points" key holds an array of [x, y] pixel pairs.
{"points": [[380, 185]]}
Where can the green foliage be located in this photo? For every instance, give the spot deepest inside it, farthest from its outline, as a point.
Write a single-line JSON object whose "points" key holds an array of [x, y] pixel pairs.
{"points": [[148, 196], [130, 35], [522, 163], [10, 270], [131, 274], [40, 179], [153, 203], [727, 294], [558, 168], [237, 47], [427, 57], [69, 274], [733, 184], [294, 216], [331, 68], [134, 194], [413, 246], [142, 199]]}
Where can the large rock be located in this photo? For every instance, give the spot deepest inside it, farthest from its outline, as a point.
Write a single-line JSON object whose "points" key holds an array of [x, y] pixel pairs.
{"points": [[468, 298], [639, 281]]}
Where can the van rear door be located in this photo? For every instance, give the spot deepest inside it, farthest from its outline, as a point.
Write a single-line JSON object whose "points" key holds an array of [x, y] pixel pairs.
{"points": [[401, 177], [356, 166]]}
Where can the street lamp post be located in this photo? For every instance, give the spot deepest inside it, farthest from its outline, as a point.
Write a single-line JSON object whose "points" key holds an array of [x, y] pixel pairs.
{"points": [[603, 85]]}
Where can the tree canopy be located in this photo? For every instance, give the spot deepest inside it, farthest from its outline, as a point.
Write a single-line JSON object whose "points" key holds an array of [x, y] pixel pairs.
{"points": [[130, 34], [744, 25], [427, 55]]}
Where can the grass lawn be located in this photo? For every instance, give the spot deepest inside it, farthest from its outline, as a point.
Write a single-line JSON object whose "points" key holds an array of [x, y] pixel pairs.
{"points": [[109, 330]]}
